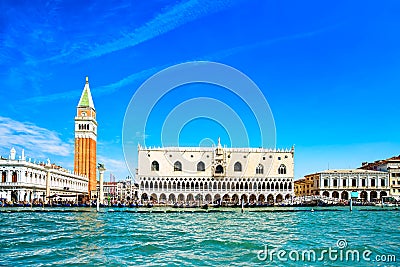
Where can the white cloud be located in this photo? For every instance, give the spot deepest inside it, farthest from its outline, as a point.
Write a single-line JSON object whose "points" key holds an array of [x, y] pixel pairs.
{"points": [[35, 140]]}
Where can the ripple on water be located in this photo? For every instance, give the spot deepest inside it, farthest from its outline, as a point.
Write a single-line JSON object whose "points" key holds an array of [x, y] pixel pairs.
{"points": [[176, 239]]}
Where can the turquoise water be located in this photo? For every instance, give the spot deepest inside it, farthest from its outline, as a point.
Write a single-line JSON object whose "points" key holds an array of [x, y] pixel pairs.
{"points": [[193, 239]]}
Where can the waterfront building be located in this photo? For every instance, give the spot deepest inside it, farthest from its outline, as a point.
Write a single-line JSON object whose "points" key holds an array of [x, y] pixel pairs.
{"points": [[215, 174], [23, 180], [303, 187], [127, 190], [86, 138], [109, 190], [123, 191], [338, 184], [392, 167]]}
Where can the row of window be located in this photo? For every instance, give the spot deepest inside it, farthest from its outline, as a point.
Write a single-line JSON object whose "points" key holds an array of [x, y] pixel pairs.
{"points": [[30, 179], [237, 167], [354, 182], [83, 127]]}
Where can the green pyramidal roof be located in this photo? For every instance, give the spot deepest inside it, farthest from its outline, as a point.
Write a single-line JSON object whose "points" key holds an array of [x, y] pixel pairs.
{"points": [[86, 97]]}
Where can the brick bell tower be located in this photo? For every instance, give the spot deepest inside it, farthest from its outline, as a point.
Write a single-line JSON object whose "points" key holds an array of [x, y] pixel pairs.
{"points": [[86, 138]]}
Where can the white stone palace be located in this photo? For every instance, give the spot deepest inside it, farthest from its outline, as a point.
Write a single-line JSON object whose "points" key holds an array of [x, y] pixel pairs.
{"points": [[215, 174], [23, 180]]}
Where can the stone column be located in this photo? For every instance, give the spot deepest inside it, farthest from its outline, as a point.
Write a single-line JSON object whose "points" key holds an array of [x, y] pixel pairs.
{"points": [[101, 169]]}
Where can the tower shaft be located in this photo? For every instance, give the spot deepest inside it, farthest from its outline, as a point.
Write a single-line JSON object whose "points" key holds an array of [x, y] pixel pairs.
{"points": [[86, 139]]}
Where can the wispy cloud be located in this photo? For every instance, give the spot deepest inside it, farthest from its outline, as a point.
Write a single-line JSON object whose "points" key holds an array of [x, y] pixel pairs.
{"points": [[96, 91], [39, 141], [141, 75], [234, 50], [168, 20]]}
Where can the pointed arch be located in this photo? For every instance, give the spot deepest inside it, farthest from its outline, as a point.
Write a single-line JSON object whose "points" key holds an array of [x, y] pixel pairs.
{"points": [[282, 169], [260, 169], [201, 167], [151, 185], [177, 166], [237, 167], [219, 169], [155, 166]]}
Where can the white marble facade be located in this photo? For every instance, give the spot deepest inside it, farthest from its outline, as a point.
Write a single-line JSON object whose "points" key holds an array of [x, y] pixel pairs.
{"points": [[215, 174], [22, 180]]}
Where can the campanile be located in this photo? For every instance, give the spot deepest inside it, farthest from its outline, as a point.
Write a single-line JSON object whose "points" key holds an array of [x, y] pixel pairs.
{"points": [[86, 138]]}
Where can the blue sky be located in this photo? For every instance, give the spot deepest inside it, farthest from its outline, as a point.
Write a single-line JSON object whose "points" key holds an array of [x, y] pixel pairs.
{"points": [[328, 69]]}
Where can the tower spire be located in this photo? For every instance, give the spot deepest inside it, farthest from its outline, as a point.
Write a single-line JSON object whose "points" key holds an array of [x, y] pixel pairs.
{"points": [[86, 100]]}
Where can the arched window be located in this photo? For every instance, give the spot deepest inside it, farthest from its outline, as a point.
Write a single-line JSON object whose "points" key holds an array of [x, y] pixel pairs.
{"points": [[201, 167], [219, 169], [282, 169], [260, 169], [155, 166], [177, 166], [237, 167], [3, 177]]}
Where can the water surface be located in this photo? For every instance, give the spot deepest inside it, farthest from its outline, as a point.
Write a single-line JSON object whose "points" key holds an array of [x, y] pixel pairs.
{"points": [[194, 239]]}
